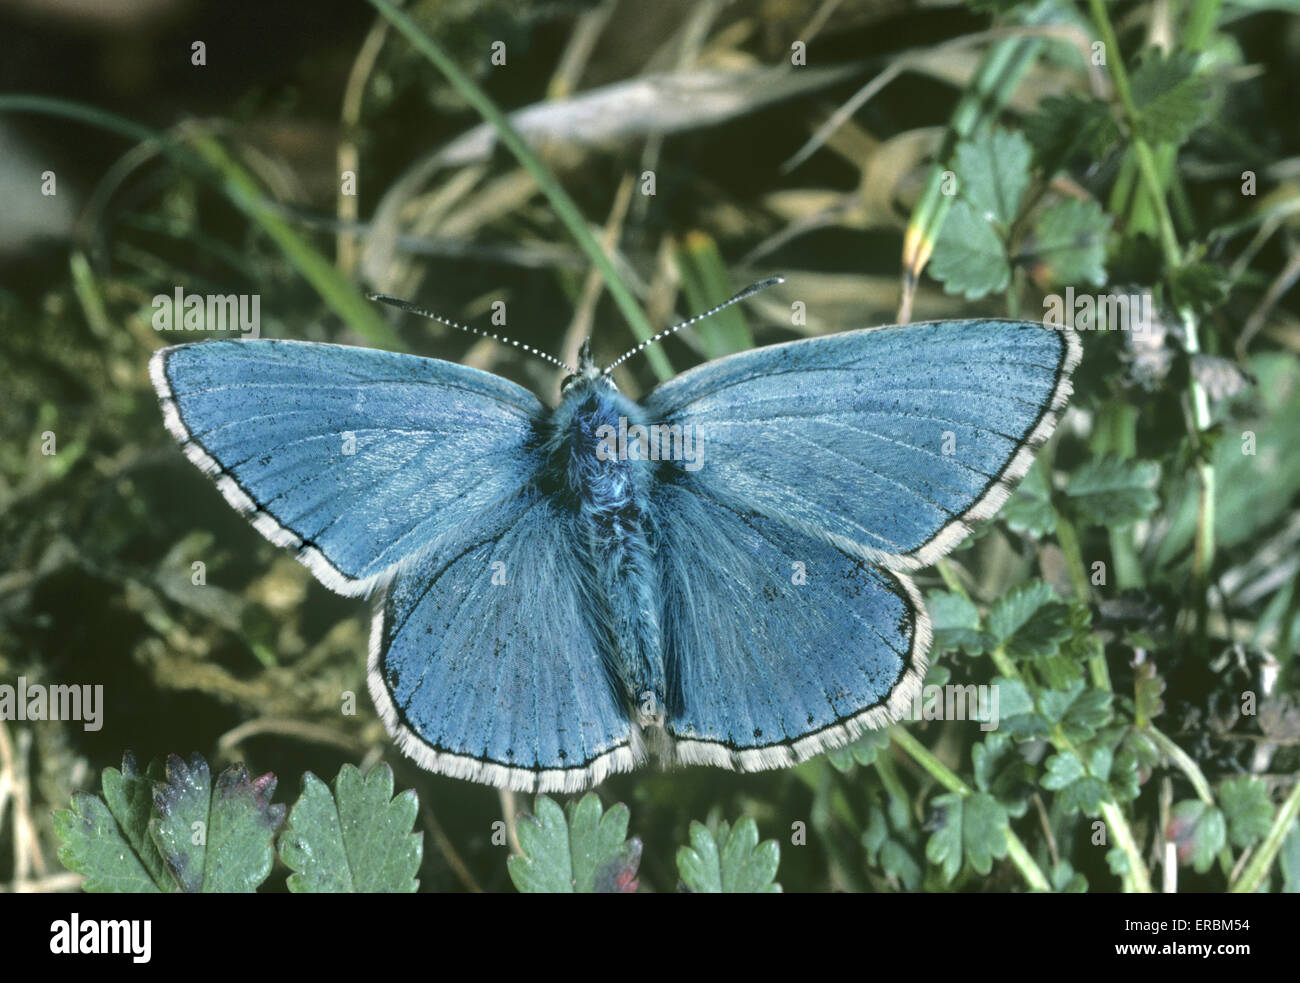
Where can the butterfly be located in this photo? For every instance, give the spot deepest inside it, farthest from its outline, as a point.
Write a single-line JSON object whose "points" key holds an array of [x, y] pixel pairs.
{"points": [[717, 574]]}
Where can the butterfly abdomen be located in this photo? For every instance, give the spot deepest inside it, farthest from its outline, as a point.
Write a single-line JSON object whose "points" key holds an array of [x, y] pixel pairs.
{"points": [[606, 479]]}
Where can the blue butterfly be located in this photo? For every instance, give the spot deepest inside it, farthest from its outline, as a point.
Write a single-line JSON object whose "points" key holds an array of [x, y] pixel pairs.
{"points": [[715, 575]]}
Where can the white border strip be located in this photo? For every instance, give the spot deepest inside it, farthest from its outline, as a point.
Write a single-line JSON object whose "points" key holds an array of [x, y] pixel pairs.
{"points": [[263, 521], [846, 731], [620, 759]]}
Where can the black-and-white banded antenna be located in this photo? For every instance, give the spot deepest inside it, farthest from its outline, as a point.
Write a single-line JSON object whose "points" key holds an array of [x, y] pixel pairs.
{"points": [[748, 292], [409, 308]]}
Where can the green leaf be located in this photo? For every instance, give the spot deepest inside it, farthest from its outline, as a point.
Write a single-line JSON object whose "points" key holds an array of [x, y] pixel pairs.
{"points": [[1001, 771], [1171, 99], [1018, 718], [993, 173], [888, 840], [1117, 861], [1199, 832], [354, 839], [1078, 710], [1069, 125], [1148, 692], [1076, 789], [897, 862], [1247, 809], [955, 623], [587, 852], [215, 839], [1030, 509], [731, 861], [1070, 240], [968, 257], [1114, 493], [107, 839], [1030, 621], [1066, 880], [863, 751], [974, 827]]}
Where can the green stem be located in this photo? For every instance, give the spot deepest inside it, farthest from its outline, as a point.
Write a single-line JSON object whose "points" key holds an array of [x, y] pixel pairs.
{"points": [[1016, 850], [950, 579], [1256, 872], [564, 206], [1202, 22], [1138, 878], [1069, 542], [1184, 763]]}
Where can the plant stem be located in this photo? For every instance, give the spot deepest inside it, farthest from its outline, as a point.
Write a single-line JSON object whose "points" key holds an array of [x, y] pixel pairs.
{"points": [[1203, 556], [1256, 872], [1069, 543], [1138, 877], [1184, 763], [1016, 850]]}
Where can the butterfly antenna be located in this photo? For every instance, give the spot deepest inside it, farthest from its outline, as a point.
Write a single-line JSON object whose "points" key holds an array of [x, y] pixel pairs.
{"points": [[748, 292], [409, 308]]}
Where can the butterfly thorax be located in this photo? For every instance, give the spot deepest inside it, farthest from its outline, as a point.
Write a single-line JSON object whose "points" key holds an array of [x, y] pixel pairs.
{"points": [[596, 464]]}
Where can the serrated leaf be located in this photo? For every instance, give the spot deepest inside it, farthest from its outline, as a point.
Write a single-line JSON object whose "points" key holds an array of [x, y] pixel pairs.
{"points": [[955, 623], [1076, 789], [993, 173], [1070, 240], [1247, 809], [973, 827], [1001, 771], [1069, 125], [897, 861], [354, 839], [215, 839], [1199, 832], [863, 751], [107, 840], [1125, 778], [732, 861], [1030, 621], [1199, 285], [1148, 690], [1171, 99], [574, 854], [1030, 510], [1079, 711], [1017, 717], [969, 258], [1113, 492]]}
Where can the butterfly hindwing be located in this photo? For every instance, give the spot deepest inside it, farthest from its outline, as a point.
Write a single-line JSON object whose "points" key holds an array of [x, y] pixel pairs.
{"points": [[355, 458], [777, 645], [888, 442], [484, 665]]}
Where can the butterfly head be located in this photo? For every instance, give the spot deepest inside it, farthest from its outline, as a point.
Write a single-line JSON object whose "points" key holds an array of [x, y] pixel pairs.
{"points": [[588, 375]]}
